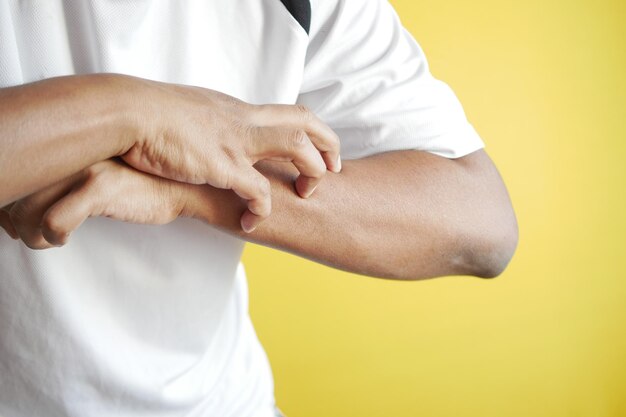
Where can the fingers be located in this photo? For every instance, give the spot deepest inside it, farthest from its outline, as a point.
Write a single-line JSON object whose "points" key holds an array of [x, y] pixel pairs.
{"points": [[26, 214], [113, 190], [40, 227], [5, 222], [47, 218], [66, 215], [255, 188], [299, 117], [295, 146]]}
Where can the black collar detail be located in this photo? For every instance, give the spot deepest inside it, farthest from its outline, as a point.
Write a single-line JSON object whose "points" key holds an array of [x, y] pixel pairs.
{"points": [[301, 11]]}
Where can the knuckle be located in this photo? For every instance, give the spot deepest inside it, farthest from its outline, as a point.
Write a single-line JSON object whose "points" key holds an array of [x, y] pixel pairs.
{"points": [[53, 230], [19, 213], [51, 224], [303, 112], [93, 179], [230, 153], [298, 139], [223, 175], [233, 101], [254, 114], [255, 142], [318, 170], [226, 101], [226, 179], [91, 173], [265, 190]]}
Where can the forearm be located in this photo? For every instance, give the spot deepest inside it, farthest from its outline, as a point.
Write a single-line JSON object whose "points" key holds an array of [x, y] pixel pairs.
{"points": [[405, 215], [54, 128]]}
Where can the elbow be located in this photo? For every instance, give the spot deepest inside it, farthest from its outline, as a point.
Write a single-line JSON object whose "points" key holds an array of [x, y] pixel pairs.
{"points": [[495, 261], [483, 252], [491, 253]]}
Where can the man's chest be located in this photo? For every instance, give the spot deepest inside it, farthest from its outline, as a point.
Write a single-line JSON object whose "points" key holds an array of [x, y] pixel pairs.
{"points": [[251, 49]]}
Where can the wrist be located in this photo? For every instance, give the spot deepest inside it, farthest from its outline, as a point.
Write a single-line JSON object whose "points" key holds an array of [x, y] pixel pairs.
{"points": [[133, 110]]}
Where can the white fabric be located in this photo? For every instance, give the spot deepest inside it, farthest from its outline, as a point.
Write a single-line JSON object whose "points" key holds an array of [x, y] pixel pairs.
{"points": [[130, 320]]}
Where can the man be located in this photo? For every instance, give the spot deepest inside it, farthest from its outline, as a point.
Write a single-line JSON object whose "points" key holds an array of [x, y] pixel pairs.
{"points": [[233, 113]]}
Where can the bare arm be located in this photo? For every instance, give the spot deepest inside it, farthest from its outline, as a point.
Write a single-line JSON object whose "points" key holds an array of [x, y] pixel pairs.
{"points": [[54, 128], [51, 129], [402, 215]]}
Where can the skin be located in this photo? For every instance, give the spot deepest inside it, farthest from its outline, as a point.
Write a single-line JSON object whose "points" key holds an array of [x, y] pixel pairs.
{"points": [[449, 217], [65, 124], [400, 215]]}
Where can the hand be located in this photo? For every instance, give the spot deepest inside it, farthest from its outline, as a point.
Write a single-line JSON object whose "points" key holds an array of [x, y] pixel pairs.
{"points": [[109, 188], [206, 137]]}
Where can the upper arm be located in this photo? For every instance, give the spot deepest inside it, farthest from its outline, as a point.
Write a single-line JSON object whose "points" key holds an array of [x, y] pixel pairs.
{"points": [[369, 80]]}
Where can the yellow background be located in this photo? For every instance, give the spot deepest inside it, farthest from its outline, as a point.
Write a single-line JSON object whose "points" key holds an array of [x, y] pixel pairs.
{"points": [[544, 82]]}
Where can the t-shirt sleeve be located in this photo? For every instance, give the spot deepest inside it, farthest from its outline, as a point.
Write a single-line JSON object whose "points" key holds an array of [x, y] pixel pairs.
{"points": [[369, 80]]}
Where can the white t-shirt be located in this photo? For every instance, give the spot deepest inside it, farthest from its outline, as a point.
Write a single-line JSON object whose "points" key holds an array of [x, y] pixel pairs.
{"points": [[133, 320]]}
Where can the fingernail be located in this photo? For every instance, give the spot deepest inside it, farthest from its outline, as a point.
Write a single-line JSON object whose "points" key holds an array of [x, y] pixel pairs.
{"points": [[310, 192], [248, 228], [338, 163]]}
